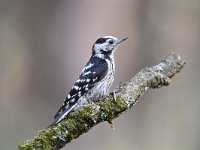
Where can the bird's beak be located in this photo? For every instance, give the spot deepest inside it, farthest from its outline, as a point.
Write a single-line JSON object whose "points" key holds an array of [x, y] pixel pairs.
{"points": [[119, 40]]}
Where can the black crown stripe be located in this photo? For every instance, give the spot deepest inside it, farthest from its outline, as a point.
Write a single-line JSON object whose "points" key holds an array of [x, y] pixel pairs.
{"points": [[101, 40]]}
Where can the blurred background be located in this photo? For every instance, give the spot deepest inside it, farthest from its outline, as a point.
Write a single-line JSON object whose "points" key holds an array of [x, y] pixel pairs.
{"points": [[45, 44]]}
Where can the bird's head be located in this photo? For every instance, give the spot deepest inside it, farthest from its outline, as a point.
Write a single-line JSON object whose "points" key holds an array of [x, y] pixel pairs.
{"points": [[105, 46]]}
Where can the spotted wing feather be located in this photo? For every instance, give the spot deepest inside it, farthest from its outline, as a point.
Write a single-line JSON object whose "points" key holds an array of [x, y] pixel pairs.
{"points": [[93, 72]]}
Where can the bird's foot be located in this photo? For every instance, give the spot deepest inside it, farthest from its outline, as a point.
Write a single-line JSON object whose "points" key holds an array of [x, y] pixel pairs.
{"points": [[111, 124], [114, 96]]}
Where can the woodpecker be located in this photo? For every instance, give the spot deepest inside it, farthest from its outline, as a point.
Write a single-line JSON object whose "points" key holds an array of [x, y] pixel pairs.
{"points": [[95, 79]]}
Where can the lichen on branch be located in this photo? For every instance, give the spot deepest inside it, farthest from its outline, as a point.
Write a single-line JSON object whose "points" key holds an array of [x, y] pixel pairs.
{"points": [[106, 109]]}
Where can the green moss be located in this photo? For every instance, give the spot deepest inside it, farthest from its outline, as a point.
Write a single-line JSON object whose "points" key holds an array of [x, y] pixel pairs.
{"points": [[110, 108], [77, 122]]}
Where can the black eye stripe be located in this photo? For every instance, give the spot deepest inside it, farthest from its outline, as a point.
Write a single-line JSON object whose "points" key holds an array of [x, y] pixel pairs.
{"points": [[111, 42]]}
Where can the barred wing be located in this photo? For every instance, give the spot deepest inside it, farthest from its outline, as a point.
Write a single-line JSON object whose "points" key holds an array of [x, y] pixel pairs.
{"points": [[93, 72]]}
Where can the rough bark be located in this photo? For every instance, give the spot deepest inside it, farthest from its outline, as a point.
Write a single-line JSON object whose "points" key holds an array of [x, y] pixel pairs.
{"points": [[106, 109]]}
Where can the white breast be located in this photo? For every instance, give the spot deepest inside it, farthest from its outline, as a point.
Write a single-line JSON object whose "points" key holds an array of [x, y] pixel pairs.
{"points": [[101, 88]]}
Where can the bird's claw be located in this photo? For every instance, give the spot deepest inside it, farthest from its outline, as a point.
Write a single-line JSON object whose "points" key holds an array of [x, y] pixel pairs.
{"points": [[111, 124], [114, 96]]}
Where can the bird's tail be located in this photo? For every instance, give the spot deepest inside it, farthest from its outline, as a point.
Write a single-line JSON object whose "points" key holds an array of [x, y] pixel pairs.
{"points": [[63, 114]]}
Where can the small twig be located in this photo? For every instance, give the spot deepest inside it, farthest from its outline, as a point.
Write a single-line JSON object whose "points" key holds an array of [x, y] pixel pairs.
{"points": [[127, 94]]}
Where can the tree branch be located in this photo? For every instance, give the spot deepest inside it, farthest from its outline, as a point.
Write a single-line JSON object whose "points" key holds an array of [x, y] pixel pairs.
{"points": [[106, 109]]}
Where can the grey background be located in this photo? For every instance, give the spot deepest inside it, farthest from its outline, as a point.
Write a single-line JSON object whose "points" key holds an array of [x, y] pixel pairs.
{"points": [[45, 44]]}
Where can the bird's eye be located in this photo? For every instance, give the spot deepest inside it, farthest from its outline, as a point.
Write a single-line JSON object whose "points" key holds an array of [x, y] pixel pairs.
{"points": [[111, 42]]}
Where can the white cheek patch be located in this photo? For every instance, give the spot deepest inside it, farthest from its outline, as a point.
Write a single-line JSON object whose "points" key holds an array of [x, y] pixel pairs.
{"points": [[99, 47]]}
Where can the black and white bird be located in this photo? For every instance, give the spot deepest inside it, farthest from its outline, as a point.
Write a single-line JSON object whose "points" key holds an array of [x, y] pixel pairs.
{"points": [[95, 79]]}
